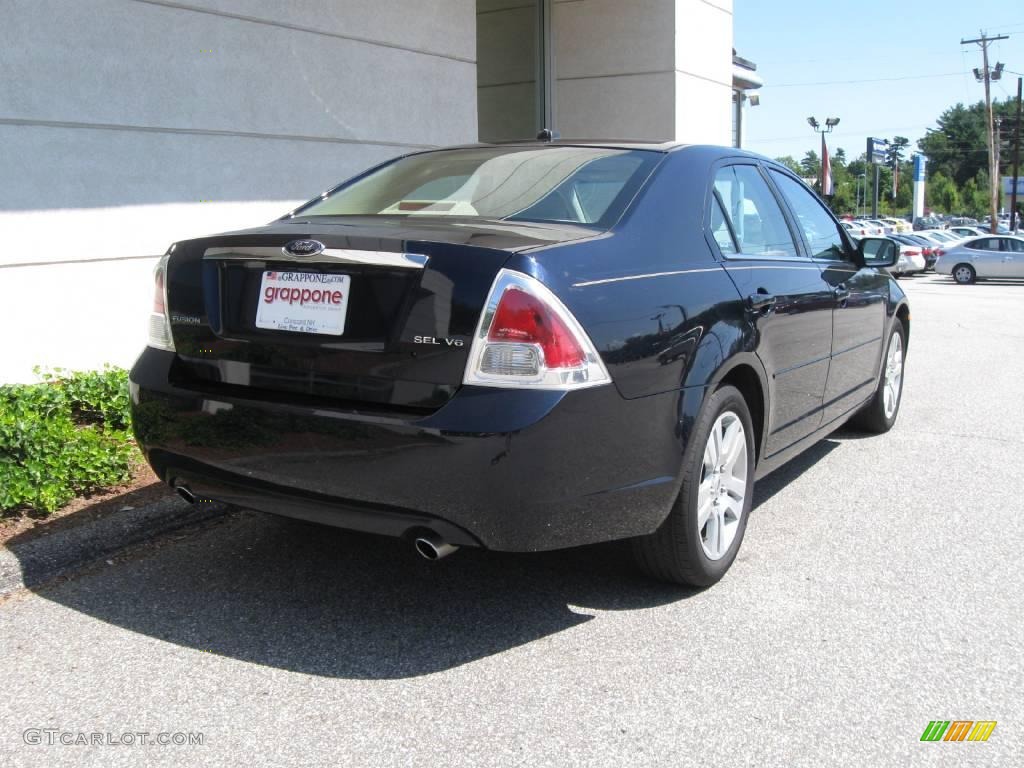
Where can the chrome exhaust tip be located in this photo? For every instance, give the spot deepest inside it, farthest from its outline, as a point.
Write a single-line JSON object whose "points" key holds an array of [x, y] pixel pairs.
{"points": [[185, 493], [433, 547]]}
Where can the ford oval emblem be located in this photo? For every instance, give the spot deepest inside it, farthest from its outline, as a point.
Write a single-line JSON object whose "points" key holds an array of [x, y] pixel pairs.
{"points": [[303, 247]]}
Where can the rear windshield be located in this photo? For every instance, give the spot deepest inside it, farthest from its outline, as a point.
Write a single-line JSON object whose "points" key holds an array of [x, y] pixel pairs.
{"points": [[578, 185]]}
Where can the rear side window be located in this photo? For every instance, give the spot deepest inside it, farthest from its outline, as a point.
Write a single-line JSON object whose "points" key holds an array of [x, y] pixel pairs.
{"points": [[984, 244], [753, 212], [819, 228]]}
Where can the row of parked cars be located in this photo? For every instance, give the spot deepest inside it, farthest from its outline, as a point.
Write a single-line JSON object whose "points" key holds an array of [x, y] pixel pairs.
{"points": [[964, 251], [941, 221]]}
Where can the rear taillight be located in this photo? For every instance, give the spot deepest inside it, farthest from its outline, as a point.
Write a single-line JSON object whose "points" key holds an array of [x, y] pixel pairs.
{"points": [[159, 325], [528, 339]]}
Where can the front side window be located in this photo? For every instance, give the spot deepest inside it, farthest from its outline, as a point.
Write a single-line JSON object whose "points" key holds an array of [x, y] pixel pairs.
{"points": [[819, 228], [578, 185], [755, 216]]}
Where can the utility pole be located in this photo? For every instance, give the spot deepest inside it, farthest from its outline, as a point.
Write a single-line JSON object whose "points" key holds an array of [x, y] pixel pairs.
{"points": [[986, 76], [997, 137], [1016, 162]]}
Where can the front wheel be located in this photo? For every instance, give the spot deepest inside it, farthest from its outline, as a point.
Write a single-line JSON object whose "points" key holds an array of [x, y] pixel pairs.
{"points": [[701, 535], [964, 274], [880, 413]]}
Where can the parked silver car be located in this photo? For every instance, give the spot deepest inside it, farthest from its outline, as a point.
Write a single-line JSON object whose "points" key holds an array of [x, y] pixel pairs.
{"points": [[982, 257]]}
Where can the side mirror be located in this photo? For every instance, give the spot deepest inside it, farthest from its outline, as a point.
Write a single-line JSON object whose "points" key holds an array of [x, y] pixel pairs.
{"points": [[878, 251]]}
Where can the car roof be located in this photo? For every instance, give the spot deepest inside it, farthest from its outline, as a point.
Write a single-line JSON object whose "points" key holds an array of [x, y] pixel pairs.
{"points": [[643, 144]]}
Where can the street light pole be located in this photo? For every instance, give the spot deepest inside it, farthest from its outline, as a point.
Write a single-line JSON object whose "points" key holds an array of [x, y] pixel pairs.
{"points": [[830, 123]]}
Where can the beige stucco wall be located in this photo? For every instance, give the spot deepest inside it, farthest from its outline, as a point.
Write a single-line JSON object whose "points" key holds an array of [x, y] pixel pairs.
{"points": [[127, 124], [646, 69], [506, 69], [643, 69]]}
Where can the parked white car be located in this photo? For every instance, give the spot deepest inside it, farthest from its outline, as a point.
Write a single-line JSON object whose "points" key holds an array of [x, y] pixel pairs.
{"points": [[872, 229], [983, 257], [910, 262], [854, 229], [946, 237], [900, 226], [941, 245]]}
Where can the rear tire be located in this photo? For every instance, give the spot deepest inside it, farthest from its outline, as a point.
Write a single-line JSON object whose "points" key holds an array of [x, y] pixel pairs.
{"points": [[964, 274], [879, 415], [699, 539]]}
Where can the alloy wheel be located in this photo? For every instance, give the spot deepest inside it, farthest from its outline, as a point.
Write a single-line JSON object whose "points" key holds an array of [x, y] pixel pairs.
{"points": [[893, 375], [723, 486]]}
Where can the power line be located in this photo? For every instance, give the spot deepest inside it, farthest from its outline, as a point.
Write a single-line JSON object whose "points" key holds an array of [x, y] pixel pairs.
{"points": [[856, 82]]}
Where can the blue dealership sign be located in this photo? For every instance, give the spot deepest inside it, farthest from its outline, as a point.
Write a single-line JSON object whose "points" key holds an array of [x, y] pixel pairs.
{"points": [[877, 149], [919, 163]]}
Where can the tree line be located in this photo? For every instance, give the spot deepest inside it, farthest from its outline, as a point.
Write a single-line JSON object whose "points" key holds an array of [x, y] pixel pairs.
{"points": [[957, 170]]}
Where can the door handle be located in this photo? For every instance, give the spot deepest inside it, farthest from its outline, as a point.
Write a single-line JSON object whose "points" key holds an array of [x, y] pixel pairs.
{"points": [[760, 302], [841, 293]]}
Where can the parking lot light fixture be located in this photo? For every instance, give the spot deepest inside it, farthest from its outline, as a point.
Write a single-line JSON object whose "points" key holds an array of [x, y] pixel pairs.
{"points": [[830, 123]]}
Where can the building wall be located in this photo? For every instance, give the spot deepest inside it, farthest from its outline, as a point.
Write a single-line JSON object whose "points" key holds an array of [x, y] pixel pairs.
{"points": [[703, 44], [507, 69], [127, 124], [646, 69]]}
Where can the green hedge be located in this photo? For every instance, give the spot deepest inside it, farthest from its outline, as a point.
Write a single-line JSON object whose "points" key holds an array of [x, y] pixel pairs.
{"points": [[63, 437]]}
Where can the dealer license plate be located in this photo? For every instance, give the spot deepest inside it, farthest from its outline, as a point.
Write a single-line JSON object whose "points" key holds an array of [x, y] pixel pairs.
{"points": [[303, 302]]}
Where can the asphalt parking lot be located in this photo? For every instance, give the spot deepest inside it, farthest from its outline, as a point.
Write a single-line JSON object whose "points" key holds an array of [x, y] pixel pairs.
{"points": [[879, 587]]}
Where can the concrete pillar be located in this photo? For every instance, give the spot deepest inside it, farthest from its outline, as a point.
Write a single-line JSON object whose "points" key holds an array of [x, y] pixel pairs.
{"points": [[646, 69]]}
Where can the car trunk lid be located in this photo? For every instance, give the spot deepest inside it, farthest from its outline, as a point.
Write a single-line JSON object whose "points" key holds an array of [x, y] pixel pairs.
{"points": [[374, 314]]}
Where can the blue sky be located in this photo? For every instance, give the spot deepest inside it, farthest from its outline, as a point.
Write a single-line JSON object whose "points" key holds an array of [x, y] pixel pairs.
{"points": [[798, 42]]}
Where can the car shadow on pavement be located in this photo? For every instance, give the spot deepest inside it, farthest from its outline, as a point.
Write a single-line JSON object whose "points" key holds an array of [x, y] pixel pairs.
{"points": [[770, 485], [322, 601]]}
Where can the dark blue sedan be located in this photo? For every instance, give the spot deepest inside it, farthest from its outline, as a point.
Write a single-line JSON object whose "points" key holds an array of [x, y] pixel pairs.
{"points": [[524, 347]]}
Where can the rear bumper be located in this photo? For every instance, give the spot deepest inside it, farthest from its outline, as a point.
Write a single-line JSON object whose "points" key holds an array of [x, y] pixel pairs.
{"points": [[502, 469]]}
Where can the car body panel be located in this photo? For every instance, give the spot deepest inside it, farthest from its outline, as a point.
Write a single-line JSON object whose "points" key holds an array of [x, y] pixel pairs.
{"points": [[395, 442]]}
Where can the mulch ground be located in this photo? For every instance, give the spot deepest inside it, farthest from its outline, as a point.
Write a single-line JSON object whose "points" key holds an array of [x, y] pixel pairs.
{"points": [[143, 488]]}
